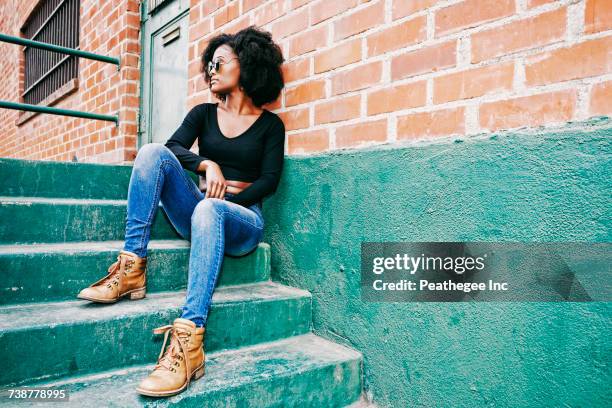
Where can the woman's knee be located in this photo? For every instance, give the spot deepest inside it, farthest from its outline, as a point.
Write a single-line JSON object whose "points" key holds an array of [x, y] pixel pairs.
{"points": [[206, 211], [150, 153]]}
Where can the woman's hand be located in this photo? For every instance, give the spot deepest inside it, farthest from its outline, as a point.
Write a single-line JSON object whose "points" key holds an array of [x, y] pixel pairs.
{"points": [[215, 182]]}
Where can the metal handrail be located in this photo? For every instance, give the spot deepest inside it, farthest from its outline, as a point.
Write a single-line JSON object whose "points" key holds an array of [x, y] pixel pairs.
{"points": [[58, 48], [57, 111], [64, 50]]}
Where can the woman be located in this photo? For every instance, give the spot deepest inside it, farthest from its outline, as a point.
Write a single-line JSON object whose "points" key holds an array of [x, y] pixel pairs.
{"points": [[241, 150]]}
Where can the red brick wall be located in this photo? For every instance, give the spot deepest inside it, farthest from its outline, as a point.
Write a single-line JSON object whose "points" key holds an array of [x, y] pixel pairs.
{"points": [[390, 71], [111, 29], [357, 73]]}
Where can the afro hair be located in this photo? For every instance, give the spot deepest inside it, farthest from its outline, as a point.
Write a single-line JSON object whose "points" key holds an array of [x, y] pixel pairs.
{"points": [[260, 59]]}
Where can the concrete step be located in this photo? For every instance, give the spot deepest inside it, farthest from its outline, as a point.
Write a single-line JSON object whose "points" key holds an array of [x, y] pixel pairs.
{"points": [[63, 225], [51, 340], [41, 220], [65, 179], [55, 272], [300, 371]]}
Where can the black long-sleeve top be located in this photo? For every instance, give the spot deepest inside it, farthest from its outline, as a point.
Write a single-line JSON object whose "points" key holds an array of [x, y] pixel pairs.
{"points": [[256, 155]]}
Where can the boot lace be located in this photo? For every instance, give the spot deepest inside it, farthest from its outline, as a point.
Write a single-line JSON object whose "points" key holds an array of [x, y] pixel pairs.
{"points": [[115, 268], [176, 350]]}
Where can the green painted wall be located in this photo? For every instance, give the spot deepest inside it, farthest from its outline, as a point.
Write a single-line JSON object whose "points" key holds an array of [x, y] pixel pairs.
{"points": [[532, 186]]}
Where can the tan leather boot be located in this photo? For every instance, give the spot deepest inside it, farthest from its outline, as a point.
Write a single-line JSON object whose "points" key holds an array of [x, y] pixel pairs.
{"points": [[183, 360], [126, 278]]}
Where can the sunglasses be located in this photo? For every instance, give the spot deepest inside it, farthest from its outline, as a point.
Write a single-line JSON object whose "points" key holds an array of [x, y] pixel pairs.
{"points": [[216, 65]]}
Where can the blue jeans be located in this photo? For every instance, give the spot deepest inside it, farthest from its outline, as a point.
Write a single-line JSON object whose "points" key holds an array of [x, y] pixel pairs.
{"points": [[214, 226]]}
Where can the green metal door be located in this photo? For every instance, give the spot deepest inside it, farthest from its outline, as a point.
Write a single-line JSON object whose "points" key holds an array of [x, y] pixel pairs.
{"points": [[164, 71]]}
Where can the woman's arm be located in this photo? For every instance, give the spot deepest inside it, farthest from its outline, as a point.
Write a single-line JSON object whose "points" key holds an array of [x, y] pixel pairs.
{"points": [[271, 169], [183, 138]]}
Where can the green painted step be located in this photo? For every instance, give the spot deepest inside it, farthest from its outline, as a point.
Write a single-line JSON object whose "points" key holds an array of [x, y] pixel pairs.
{"points": [[49, 179], [63, 224], [40, 220], [50, 340], [300, 371], [54, 272]]}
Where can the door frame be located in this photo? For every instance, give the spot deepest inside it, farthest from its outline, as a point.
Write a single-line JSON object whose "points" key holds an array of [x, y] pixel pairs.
{"points": [[152, 24]]}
